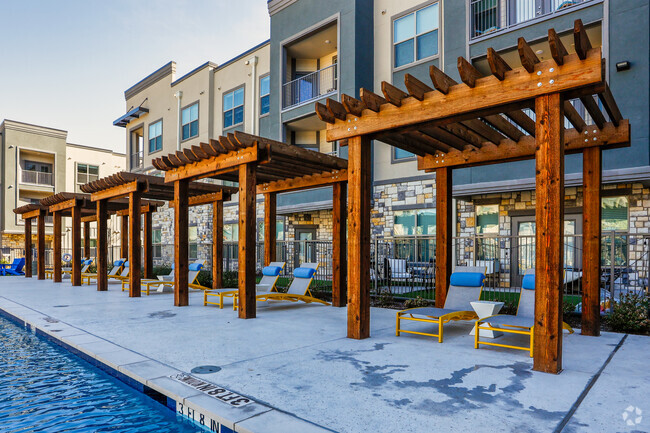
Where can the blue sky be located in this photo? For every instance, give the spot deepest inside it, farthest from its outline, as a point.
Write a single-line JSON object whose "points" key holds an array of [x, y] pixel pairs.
{"points": [[66, 63]]}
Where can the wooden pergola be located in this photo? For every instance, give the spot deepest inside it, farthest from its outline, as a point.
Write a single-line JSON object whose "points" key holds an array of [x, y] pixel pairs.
{"points": [[28, 212], [261, 166], [135, 187], [480, 121]]}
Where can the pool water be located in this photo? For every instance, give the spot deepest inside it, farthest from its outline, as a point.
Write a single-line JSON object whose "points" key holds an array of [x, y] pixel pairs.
{"points": [[44, 388]]}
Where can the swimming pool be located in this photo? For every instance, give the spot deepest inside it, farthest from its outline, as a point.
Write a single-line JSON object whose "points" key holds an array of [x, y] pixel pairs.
{"points": [[44, 388]]}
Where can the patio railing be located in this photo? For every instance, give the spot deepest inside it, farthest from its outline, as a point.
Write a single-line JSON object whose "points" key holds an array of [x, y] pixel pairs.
{"points": [[37, 177], [310, 86]]}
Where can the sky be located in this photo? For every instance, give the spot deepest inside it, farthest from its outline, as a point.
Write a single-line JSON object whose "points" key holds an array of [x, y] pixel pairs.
{"points": [[66, 63]]}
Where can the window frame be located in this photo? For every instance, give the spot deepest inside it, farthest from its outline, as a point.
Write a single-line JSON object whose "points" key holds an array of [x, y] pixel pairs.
{"points": [[395, 160], [416, 214], [267, 75], [198, 118], [76, 173], [415, 61], [155, 244], [149, 152], [223, 111]]}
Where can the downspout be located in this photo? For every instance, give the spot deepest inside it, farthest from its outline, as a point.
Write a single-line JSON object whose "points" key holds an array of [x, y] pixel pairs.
{"points": [[179, 97], [253, 62]]}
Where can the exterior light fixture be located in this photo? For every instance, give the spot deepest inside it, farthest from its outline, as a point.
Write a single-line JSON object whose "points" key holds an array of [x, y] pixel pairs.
{"points": [[623, 66], [327, 41]]}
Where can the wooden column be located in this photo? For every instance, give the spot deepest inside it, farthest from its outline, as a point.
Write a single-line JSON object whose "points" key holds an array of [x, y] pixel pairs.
{"points": [[102, 246], [40, 245], [181, 243], [339, 257], [444, 209], [135, 248], [28, 248], [76, 246], [57, 247], [147, 251], [270, 231], [591, 217], [247, 226], [86, 253], [549, 238], [359, 237], [217, 244], [124, 234]]}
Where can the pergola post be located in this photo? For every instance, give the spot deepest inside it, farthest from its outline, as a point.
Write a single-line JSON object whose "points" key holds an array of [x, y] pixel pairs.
{"points": [[181, 243], [135, 252], [57, 247], [359, 237], [124, 238], [339, 258], [28, 248], [549, 239], [147, 227], [443, 233], [40, 245], [247, 226], [270, 233], [76, 245], [217, 244], [102, 246], [591, 217], [86, 253]]}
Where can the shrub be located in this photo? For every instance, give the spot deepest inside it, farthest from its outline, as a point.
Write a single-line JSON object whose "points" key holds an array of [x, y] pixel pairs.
{"points": [[630, 314], [509, 307], [417, 302], [568, 307], [384, 298]]}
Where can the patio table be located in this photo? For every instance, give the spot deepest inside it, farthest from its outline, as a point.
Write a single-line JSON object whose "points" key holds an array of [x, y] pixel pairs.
{"points": [[485, 309]]}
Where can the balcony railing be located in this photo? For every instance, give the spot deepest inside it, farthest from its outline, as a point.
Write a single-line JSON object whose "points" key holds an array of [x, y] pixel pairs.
{"points": [[308, 87], [137, 160], [489, 16], [37, 177]]}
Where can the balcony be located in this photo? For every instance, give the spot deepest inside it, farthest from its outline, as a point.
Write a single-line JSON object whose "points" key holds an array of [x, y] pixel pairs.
{"points": [[491, 16], [37, 178], [309, 87], [137, 160]]}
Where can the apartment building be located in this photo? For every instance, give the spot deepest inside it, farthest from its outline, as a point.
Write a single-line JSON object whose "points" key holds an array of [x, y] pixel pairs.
{"points": [[322, 49], [37, 161]]}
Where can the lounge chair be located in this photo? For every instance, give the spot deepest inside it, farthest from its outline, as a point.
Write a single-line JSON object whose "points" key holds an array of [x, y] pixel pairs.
{"points": [[398, 269], [192, 278], [15, 268], [521, 323], [85, 264], [298, 289], [124, 275], [117, 267], [270, 276], [466, 284], [168, 277]]}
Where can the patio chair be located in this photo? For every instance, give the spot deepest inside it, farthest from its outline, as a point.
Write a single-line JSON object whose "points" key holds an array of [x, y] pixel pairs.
{"points": [[466, 285], [168, 277], [521, 323], [15, 268], [124, 275], [117, 267], [270, 276], [85, 264], [398, 269], [192, 278], [298, 289]]}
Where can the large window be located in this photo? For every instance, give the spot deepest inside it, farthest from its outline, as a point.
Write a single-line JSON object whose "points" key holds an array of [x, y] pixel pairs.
{"points": [[155, 136], [265, 95], [193, 239], [86, 173], [614, 214], [233, 108], [156, 243], [190, 121], [415, 222], [400, 154], [279, 230], [487, 223], [415, 36], [231, 232]]}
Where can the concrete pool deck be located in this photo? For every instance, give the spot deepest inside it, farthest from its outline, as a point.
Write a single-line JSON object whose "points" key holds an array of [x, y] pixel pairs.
{"points": [[294, 361]]}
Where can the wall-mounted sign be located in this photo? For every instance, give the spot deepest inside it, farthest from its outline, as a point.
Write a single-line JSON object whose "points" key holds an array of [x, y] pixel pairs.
{"points": [[216, 391]]}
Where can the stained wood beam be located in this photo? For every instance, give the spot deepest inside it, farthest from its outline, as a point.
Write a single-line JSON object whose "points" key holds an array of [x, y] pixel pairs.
{"points": [[581, 39], [324, 114], [247, 239], [498, 66], [443, 234], [102, 245], [592, 108], [217, 245], [523, 120], [124, 237], [505, 127], [468, 73], [574, 117], [135, 247], [208, 167], [415, 87], [339, 232], [86, 225], [336, 109], [181, 243], [591, 235], [76, 246], [441, 81], [467, 135], [392, 94], [427, 143], [57, 247], [447, 138], [406, 142], [352, 105], [371, 100], [270, 222], [40, 245], [610, 105], [484, 130], [147, 250], [526, 54], [28, 248], [558, 51]]}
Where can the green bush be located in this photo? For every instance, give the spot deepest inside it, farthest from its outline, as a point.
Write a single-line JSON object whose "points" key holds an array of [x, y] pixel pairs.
{"points": [[568, 307], [509, 307], [384, 298], [417, 302], [630, 314]]}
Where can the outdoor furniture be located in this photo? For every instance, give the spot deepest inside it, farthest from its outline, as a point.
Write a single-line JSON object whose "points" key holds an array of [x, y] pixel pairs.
{"points": [[270, 276], [298, 289], [485, 309], [466, 284], [15, 268], [521, 323], [168, 277], [117, 266], [397, 269], [86, 262], [124, 275], [192, 277]]}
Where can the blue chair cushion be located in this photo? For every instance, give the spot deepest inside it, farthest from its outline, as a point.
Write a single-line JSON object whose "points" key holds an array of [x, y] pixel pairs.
{"points": [[118, 262], [88, 262], [467, 279], [528, 282], [271, 271], [195, 266], [304, 272], [126, 264]]}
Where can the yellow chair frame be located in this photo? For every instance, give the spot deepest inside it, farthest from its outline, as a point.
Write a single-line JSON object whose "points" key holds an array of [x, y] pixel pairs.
{"points": [[440, 321]]}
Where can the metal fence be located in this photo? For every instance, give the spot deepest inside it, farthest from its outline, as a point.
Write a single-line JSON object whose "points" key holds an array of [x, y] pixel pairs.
{"points": [[37, 177], [310, 86]]}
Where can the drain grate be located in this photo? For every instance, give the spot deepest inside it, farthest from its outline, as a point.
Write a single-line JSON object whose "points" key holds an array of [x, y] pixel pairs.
{"points": [[60, 306], [205, 369]]}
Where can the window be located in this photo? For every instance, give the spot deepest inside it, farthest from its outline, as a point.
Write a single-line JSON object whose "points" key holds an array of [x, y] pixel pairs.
{"points": [[487, 222], [614, 214], [40, 167], [155, 136], [279, 230], [233, 108], [415, 222], [265, 95], [231, 232], [193, 241], [399, 154], [190, 121], [415, 36], [156, 243], [86, 173]]}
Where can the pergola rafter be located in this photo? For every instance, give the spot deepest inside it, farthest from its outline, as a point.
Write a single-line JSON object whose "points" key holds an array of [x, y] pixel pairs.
{"points": [[483, 121], [261, 166], [28, 212]]}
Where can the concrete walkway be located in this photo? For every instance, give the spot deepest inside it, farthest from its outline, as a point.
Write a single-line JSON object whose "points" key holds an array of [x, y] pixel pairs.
{"points": [[296, 363]]}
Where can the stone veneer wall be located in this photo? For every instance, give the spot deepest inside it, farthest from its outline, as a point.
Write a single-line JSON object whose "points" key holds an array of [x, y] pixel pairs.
{"points": [[386, 197], [17, 241]]}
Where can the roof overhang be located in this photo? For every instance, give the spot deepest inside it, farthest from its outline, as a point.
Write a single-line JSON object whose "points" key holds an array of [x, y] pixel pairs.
{"points": [[133, 114]]}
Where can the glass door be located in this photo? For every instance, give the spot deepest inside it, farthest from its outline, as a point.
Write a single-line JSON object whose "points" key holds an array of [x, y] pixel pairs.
{"points": [[306, 251]]}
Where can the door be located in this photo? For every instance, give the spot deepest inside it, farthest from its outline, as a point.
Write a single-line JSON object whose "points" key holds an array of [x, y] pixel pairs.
{"points": [[306, 248]]}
